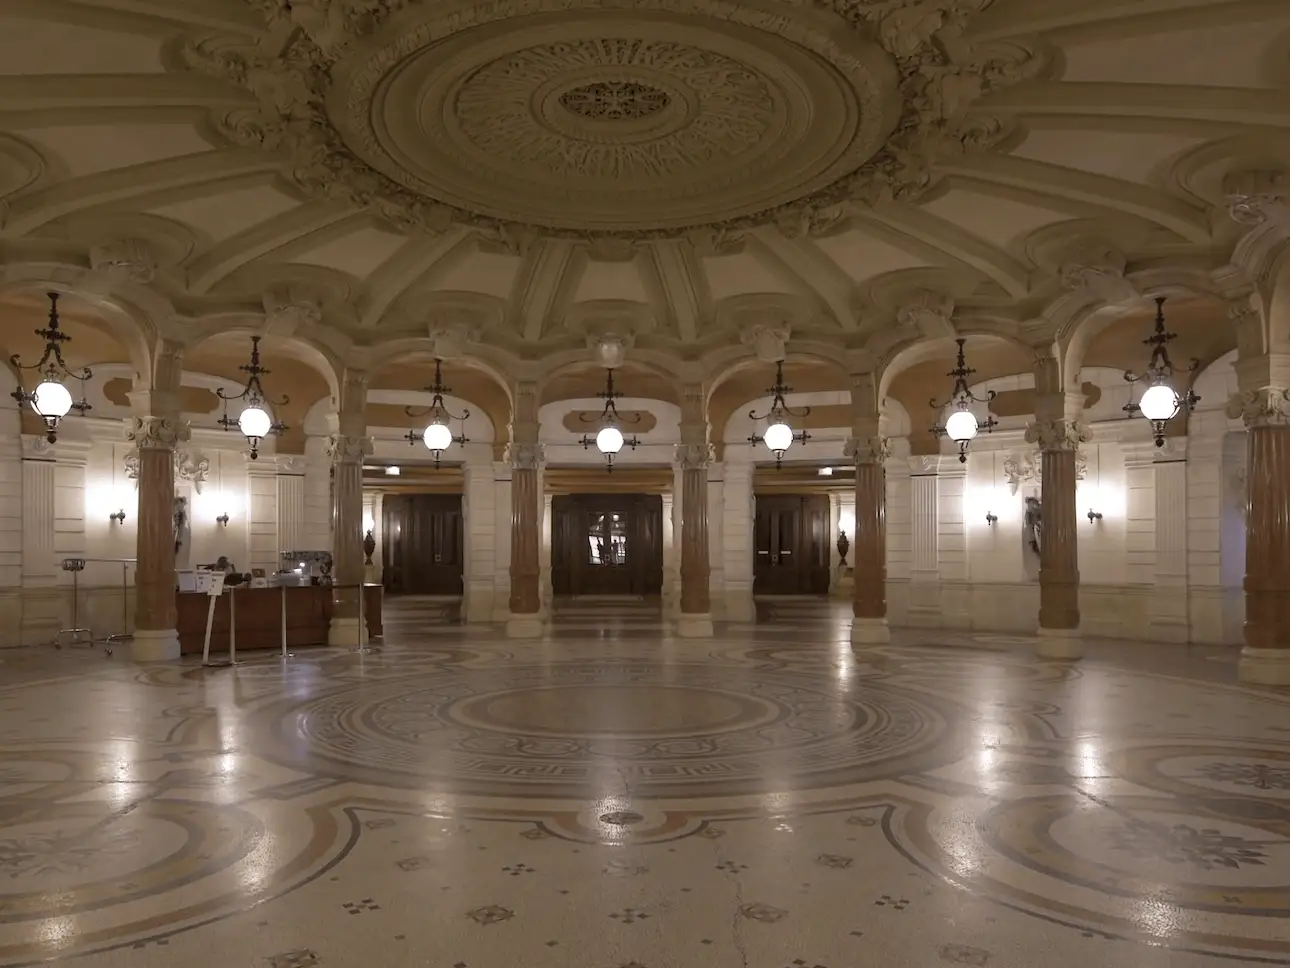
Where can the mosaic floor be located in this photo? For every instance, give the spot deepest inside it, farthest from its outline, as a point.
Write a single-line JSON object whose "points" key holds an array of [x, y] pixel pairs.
{"points": [[769, 799]]}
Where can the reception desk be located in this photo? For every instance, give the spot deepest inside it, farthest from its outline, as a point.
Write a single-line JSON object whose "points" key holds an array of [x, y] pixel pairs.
{"points": [[259, 617]]}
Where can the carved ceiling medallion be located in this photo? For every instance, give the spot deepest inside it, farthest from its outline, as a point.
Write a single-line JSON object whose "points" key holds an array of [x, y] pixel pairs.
{"points": [[615, 101], [590, 118]]}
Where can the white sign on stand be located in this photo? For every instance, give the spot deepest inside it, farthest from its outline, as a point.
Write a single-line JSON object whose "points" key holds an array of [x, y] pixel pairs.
{"points": [[215, 590]]}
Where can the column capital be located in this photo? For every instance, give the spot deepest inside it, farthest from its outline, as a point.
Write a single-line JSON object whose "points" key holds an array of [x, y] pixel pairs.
{"points": [[693, 456], [525, 456], [1265, 407], [1057, 435], [867, 450], [347, 449], [155, 433]]}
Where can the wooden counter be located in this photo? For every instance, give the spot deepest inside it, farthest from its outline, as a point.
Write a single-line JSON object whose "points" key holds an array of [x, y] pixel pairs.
{"points": [[259, 617]]}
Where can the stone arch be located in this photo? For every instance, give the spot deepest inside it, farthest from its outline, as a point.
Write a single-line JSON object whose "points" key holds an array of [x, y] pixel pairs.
{"points": [[658, 369], [487, 360]]}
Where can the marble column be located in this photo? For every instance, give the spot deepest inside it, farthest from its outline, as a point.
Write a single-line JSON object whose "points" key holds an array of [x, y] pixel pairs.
{"points": [[155, 636], [525, 620], [1265, 659], [347, 453], [869, 548], [695, 618], [1059, 635]]}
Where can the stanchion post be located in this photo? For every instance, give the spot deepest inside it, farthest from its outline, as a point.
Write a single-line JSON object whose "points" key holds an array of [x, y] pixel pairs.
{"points": [[362, 646], [283, 588], [232, 626]]}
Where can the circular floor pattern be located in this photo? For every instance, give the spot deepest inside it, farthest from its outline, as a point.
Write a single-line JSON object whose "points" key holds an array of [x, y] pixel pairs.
{"points": [[567, 730]]}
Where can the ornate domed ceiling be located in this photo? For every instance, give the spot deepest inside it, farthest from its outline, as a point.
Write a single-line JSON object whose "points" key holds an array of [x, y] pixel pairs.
{"points": [[861, 173]]}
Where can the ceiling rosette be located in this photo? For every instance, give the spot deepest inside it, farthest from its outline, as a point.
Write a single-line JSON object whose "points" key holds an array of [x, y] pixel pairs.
{"points": [[586, 119]]}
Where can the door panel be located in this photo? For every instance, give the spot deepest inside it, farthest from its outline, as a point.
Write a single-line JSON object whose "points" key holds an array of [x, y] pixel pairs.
{"points": [[607, 544], [423, 544], [791, 545]]}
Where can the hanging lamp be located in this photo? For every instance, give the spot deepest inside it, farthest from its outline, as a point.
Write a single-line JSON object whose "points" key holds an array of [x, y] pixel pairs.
{"points": [[1160, 402], [254, 421], [437, 436], [779, 436], [51, 399], [609, 440], [962, 426]]}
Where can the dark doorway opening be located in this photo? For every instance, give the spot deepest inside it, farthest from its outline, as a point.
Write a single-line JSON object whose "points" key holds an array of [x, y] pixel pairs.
{"points": [[607, 544], [423, 545], [791, 545]]}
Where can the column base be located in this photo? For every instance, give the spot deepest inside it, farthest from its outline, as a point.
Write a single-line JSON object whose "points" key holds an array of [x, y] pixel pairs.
{"points": [[524, 627], [739, 604], [154, 645], [1065, 644], [343, 631], [870, 631], [1264, 667], [694, 626]]}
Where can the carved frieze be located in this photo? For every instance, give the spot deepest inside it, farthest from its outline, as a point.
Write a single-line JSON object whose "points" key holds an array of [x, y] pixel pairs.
{"points": [[190, 468], [693, 456], [1027, 468], [154, 433], [344, 449], [1255, 197]]}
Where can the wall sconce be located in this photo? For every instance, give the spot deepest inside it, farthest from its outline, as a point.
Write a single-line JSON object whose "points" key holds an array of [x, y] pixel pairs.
{"points": [[117, 517], [991, 519], [1094, 515], [222, 520]]}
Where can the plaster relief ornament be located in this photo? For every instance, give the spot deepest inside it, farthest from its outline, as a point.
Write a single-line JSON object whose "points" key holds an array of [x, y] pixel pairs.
{"points": [[587, 119]]}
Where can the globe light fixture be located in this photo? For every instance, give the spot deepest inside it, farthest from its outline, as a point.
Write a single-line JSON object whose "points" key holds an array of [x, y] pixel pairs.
{"points": [[254, 421], [51, 400], [436, 436], [962, 426], [778, 435], [609, 440], [1160, 402]]}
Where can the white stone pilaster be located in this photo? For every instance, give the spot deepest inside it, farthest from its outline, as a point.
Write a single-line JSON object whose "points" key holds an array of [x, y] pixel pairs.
{"points": [[502, 541], [950, 550], [1169, 617], [737, 519], [480, 512], [41, 614]]}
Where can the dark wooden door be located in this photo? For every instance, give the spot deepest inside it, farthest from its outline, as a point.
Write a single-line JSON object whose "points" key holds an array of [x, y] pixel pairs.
{"points": [[607, 544], [423, 547], [791, 545]]}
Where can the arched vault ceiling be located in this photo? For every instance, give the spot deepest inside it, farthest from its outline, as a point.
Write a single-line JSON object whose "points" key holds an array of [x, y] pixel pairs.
{"points": [[685, 170]]}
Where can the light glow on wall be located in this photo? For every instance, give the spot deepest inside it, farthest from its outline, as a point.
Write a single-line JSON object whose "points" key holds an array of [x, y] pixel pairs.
{"points": [[978, 501]]}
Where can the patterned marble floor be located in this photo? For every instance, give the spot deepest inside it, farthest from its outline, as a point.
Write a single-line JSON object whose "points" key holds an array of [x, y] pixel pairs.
{"points": [[768, 799]]}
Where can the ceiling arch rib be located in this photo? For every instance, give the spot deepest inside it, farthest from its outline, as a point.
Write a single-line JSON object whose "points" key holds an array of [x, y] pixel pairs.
{"points": [[227, 257], [961, 245], [1216, 105], [1043, 16], [416, 259], [817, 273], [155, 15], [1107, 195], [29, 212], [94, 92], [538, 284]]}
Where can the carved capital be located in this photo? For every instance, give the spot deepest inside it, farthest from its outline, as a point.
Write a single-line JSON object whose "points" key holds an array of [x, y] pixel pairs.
{"points": [[1266, 407], [868, 450], [449, 340], [768, 342], [923, 465], [1255, 197], [525, 457], [344, 449], [1100, 273], [1057, 434], [155, 433], [285, 311], [929, 313], [36, 447], [128, 260], [693, 456], [610, 349]]}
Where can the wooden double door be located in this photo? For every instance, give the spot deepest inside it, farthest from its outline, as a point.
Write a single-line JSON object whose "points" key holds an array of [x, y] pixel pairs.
{"points": [[791, 544], [607, 544], [423, 551]]}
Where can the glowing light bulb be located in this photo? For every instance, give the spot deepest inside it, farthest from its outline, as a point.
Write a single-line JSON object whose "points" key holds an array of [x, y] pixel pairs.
{"points": [[961, 426], [51, 399], [778, 437], [609, 440], [254, 422]]}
